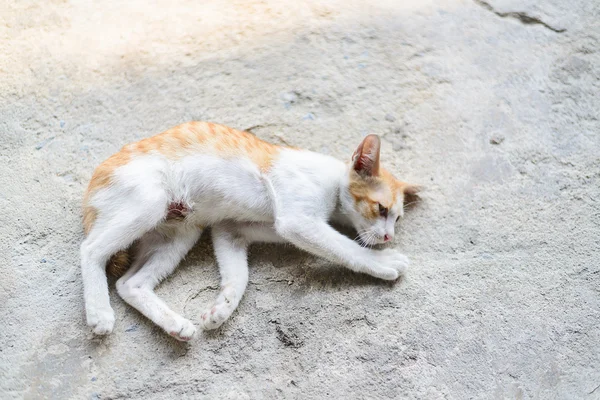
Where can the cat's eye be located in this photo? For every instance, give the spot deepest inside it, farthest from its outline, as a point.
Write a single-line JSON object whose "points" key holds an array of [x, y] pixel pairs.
{"points": [[383, 211]]}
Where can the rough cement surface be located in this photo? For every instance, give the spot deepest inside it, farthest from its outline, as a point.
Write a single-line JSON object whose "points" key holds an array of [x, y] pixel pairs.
{"points": [[492, 105]]}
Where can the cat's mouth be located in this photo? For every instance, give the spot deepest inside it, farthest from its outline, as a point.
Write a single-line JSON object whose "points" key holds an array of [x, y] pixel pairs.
{"points": [[370, 240]]}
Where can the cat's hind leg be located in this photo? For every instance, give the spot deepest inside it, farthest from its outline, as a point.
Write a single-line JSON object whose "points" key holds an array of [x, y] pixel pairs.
{"points": [[159, 253], [114, 229]]}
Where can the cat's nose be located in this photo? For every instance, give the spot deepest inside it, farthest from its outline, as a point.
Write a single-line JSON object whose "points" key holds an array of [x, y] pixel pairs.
{"points": [[387, 238]]}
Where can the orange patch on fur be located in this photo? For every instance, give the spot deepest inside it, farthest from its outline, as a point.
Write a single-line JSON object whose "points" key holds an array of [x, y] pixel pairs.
{"points": [[368, 192], [394, 184], [101, 178], [208, 138], [89, 217], [362, 190], [102, 174], [183, 140]]}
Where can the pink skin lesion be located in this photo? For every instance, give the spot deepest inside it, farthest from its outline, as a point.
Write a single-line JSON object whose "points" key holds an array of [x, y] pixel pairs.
{"points": [[177, 211]]}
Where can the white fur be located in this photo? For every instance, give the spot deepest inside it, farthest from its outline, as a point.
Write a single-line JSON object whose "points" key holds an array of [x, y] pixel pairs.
{"points": [[293, 203]]}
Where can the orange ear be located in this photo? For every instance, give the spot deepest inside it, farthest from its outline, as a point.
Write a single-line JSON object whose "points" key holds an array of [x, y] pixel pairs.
{"points": [[365, 159], [411, 193], [411, 190]]}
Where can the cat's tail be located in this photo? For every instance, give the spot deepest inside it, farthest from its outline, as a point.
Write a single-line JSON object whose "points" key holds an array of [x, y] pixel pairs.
{"points": [[119, 263]]}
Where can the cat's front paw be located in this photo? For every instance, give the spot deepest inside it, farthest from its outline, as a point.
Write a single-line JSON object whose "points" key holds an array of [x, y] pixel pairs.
{"points": [[396, 260], [101, 320], [181, 329], [389, 264]]}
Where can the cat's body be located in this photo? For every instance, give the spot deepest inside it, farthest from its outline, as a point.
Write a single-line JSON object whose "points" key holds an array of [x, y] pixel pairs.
{"points": [[161, 192]]}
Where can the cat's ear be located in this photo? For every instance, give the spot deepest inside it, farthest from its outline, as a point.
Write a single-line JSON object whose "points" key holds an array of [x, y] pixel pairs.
{"points": [[410, 190], [365, 159], [411, 193]]}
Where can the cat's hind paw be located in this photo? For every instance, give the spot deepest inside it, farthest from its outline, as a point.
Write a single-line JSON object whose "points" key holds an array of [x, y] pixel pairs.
{"points": [[102, 322], [182, 329]]}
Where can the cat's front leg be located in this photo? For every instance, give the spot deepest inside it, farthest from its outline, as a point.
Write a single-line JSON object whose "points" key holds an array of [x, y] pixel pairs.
{"points": [[318, 237]]}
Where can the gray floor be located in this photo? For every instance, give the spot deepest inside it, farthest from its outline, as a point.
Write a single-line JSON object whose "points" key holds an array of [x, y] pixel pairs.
{"points": [[492, 106]]}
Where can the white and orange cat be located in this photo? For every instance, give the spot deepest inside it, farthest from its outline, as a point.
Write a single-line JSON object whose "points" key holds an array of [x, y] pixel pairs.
{"points": [[153, 198]]}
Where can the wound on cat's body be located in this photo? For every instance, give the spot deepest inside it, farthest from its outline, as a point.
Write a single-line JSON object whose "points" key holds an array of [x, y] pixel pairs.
{"points": [[177, 211]]}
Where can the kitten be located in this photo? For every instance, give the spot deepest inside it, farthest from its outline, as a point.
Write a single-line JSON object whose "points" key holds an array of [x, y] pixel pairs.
{"points": [[161, 192]]}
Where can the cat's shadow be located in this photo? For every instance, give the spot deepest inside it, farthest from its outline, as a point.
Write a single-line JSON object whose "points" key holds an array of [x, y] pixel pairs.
{"points": [[269, 264], [284, 262]]}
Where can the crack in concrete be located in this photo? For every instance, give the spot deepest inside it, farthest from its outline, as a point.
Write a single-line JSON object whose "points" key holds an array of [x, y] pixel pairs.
{"points": [[193, 296], [518, 15]]}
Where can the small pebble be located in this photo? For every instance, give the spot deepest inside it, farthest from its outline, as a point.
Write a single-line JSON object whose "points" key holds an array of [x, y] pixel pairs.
{"points": [[309, 116], [397, 145], [497, 139], [389, 117], [290, 97], [256, 346], [43, 143]]}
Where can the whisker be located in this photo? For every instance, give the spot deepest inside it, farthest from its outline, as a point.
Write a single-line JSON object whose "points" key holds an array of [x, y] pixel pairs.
{"points": [[359, 237], [365, 236], [409, 204], [371, 236]]}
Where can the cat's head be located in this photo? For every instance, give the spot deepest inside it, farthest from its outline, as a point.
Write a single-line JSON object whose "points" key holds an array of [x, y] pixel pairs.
{"points": [[374, 201]]}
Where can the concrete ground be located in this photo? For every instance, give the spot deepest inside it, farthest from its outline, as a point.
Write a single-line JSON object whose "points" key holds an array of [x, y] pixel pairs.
{"points": [[492, 106]]}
